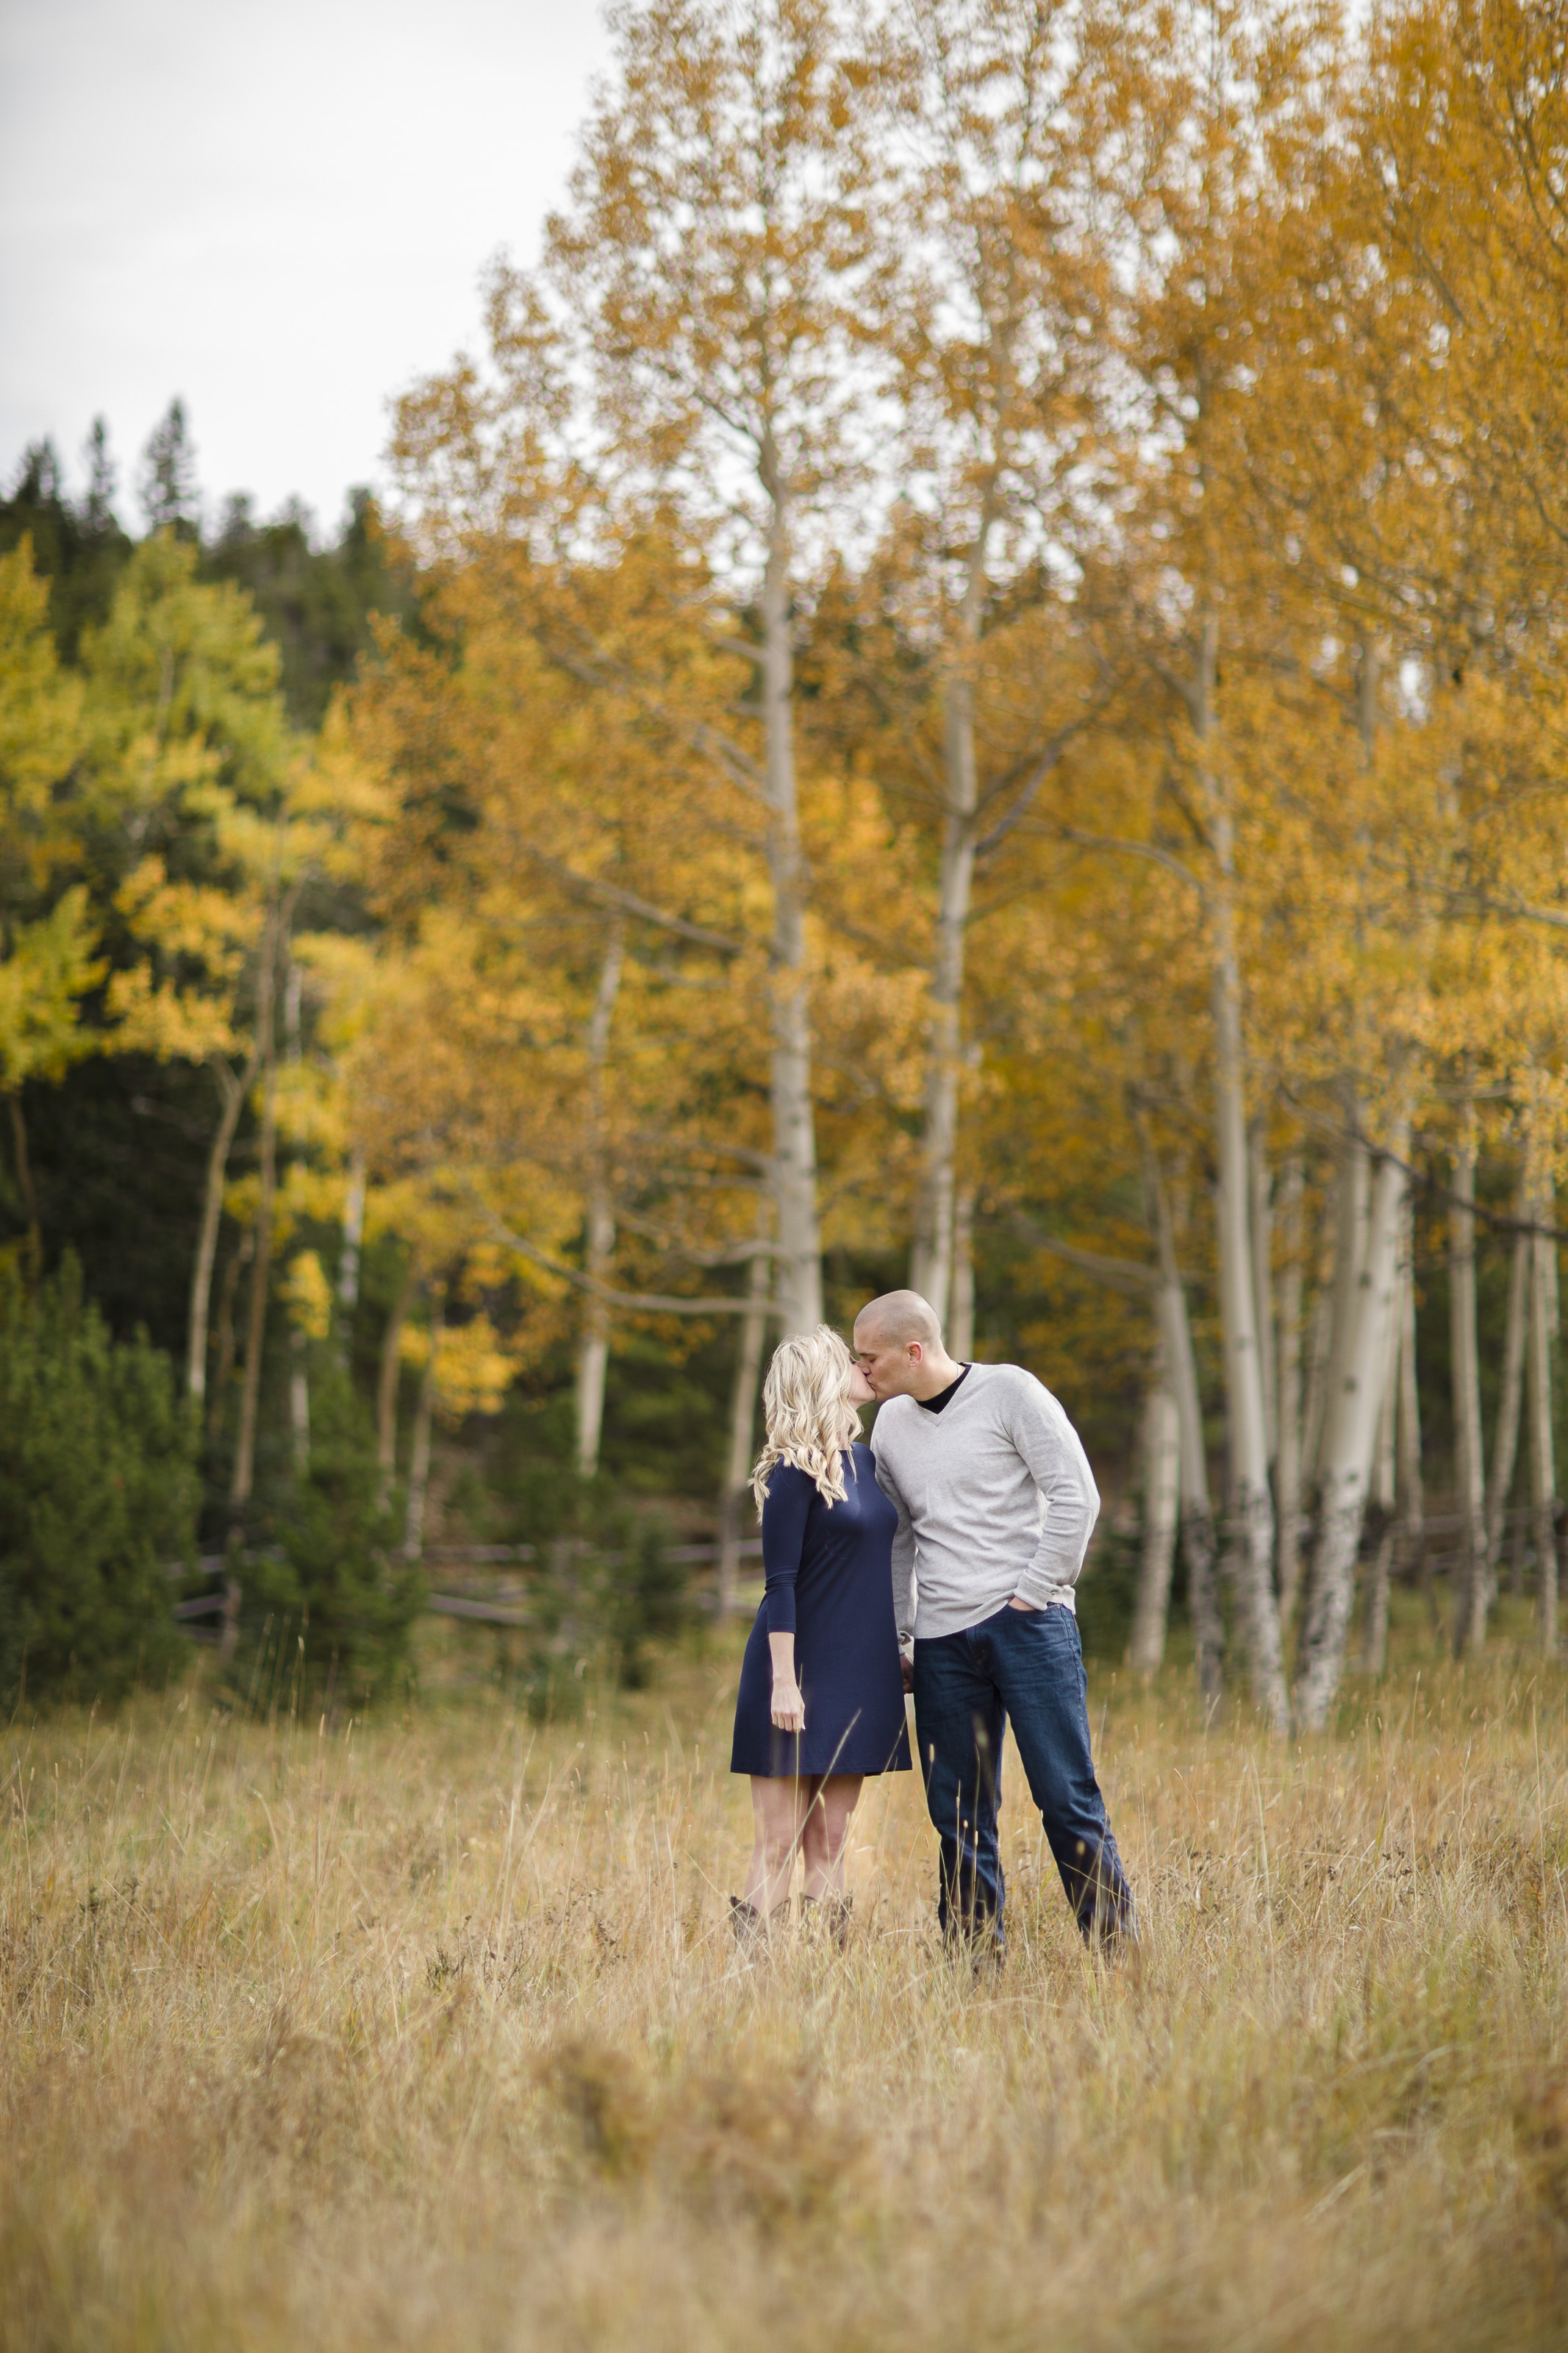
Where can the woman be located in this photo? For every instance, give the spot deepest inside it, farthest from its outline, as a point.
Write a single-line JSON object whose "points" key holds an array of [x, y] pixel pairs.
{"points": [[822, 1697]]}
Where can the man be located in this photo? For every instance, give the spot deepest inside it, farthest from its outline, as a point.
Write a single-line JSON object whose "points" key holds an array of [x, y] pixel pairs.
{"points": [[997, 1503]]}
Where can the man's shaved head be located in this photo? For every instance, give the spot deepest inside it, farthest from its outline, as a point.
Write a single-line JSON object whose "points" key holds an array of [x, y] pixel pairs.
{"points": [[899, 1318]]}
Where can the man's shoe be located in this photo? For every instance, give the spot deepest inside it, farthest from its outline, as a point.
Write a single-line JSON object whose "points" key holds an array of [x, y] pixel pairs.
{"points": [[1107, 1921]]}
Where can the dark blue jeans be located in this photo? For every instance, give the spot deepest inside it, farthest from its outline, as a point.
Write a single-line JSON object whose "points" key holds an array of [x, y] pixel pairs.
{"points": [[1023, 1666]]}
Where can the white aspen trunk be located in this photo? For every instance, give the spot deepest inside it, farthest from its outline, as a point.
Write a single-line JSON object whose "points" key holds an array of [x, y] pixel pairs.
{"points": [[1411, 1500], [1288, 1460], [1349, 1437], [1551, 1317], [300, 1404], [1199, 1547], [961, 1312], [261, 1261], [1469, 1582], [1262, 1223], [593, 1348], [1505, 1438], [593, 1343], [354, 1237], [234, 1090], [795, 1131], [1252, 1535], [1320, 1342], [1352, 1198], [742, 1424], [419, 1453], [1196, 1513], [1543, 1465], [1252, 1507], [1374, 1632], [232, 1272], [931, 1268], [387, 1381], [1161, 1496]]}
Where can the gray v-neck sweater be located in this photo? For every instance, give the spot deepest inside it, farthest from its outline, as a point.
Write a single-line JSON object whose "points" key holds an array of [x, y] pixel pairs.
{"points": [[994, 1498]]}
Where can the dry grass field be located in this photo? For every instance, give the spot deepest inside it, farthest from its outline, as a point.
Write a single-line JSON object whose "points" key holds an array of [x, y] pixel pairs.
{"points": [[427, 2031]]}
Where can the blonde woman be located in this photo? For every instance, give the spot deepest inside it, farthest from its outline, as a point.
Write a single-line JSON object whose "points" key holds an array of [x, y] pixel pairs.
{"points": [[822, 1697]]}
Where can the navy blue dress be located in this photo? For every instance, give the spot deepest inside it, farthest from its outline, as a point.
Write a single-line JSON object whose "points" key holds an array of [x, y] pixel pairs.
{"points": [[830, 1583]]}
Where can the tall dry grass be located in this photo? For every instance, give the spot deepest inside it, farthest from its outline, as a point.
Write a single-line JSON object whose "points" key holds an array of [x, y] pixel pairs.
{"points": [[427, 2031]]}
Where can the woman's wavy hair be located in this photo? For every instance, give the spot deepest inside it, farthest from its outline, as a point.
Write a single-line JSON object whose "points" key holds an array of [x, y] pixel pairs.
{"points": [[810, 1420]]}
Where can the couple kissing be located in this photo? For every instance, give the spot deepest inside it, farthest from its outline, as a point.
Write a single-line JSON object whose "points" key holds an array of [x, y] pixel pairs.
{"points": [[940, 1560]]}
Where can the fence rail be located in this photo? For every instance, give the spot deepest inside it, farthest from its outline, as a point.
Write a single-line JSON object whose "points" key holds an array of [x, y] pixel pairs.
{"points": [[207, 1617]]}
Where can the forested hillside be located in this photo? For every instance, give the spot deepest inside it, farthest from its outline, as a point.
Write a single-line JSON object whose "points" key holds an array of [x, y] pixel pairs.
{"points": [[966, 687]]}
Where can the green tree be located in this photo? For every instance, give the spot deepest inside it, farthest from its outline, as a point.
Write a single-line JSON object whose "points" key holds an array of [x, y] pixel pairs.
{"points": [[166, 483], [339, 1601], [81, 549], [317, 605], [98, 1494]]}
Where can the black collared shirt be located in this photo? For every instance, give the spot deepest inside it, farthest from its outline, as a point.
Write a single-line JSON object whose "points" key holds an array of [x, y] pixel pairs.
{"points": [[942, 1396]]}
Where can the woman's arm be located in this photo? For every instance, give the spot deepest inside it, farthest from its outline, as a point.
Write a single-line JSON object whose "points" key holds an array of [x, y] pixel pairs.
{"points": [[789, 1708], [785, 1515]]}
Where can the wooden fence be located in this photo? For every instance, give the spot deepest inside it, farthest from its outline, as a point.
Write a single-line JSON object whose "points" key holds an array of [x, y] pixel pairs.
{"points": [[503, 1601]]}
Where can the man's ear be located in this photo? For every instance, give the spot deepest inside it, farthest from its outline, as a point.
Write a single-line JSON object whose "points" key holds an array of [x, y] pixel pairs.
{"points": [[916, 1354]]}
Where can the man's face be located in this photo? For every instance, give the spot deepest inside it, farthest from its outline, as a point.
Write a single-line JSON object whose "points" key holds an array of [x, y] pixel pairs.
{"points": [[891, 1367]]}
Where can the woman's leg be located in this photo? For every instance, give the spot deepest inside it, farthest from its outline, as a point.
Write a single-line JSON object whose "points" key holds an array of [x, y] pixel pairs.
{"points": [[833, 1799], [777, 1805]]}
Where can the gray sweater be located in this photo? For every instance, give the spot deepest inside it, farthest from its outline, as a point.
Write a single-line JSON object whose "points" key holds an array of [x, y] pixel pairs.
{"points": [[995, 1498]]}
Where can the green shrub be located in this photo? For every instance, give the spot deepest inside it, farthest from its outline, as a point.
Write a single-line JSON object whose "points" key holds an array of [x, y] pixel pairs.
{"points": [[97, 1499], [1107, 1593], [328, 1611], [645, 1598]]}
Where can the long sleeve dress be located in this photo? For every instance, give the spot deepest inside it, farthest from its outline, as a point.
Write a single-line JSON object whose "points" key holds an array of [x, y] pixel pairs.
{"points": [[829, 1571]]}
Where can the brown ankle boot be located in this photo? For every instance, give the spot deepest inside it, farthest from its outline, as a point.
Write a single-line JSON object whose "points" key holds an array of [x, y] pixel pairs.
{"points": [[834, 1913], [749, 1926]]}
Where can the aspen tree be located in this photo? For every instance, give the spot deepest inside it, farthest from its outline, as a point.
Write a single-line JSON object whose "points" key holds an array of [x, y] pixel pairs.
{"points": [[589, 886], [1196, 1515], [996, 107], [1350, 1438], [961, 1307], [1505, 1438], [348, 1258], [1353, 1213], [1543, 1465], [387, 1378], [188, 757], [47, 952], [1252, 1508], [419, 1449], [1175, 1468], [1470, 1464], [1288, 1474], [1320, 1339], [714, 259], [1260, 1211], [743, 1425], [1411, 1500], [1374, 1630], [1222, 117], [593, 1344], [1161, 1500]]}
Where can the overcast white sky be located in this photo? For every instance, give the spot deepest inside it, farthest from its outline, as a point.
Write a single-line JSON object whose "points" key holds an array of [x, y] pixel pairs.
{"points": [[277, 212]]}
